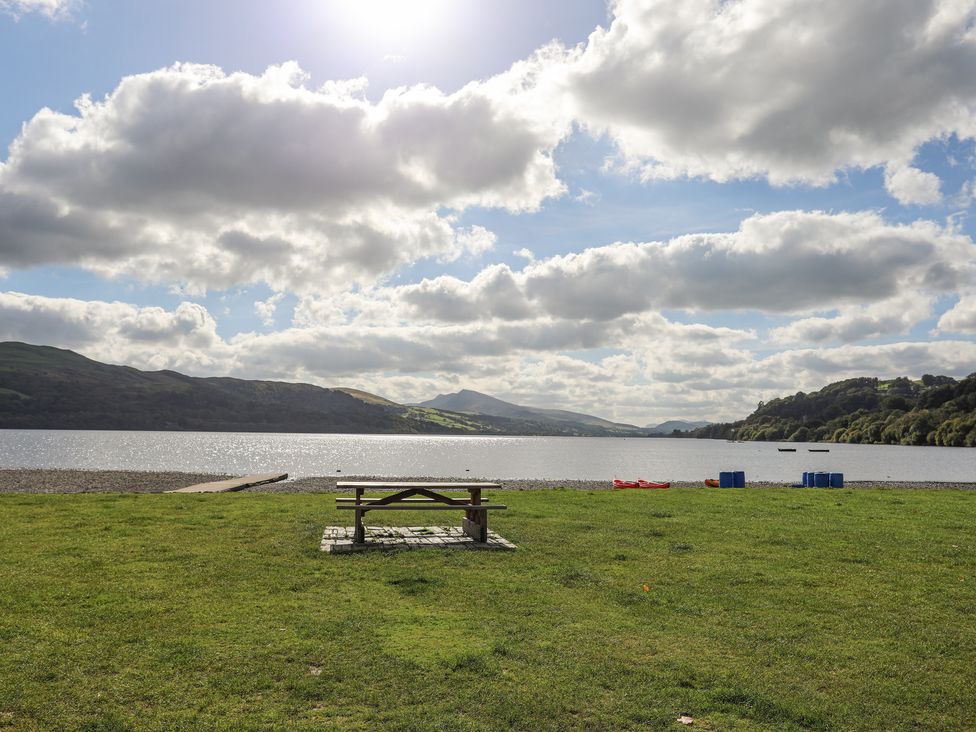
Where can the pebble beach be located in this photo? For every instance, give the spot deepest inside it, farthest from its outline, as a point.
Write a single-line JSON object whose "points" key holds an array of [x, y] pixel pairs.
{"points": [[33, 480]]}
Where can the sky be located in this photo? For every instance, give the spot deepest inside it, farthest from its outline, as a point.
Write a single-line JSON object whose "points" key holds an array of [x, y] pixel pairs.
{"points": [[644, 210]]}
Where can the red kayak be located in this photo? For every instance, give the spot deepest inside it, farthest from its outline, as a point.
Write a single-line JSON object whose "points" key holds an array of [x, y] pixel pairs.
{"points": [[639, 484]]}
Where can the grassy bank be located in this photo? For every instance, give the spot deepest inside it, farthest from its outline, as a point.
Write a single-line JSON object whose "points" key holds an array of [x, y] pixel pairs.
{"points": [[770, 609]]}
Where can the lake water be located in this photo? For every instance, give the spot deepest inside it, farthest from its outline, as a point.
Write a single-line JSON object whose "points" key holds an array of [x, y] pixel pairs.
{"points": [[594, 458]]}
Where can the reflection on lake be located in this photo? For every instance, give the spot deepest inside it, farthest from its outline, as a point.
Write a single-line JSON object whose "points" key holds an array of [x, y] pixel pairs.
{"points": [[593, 458]]}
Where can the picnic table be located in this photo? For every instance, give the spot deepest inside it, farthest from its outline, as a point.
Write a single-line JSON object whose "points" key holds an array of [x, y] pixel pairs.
{"points": [[420, 497]]}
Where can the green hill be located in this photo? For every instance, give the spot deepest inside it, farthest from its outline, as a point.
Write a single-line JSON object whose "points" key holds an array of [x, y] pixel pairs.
{"points": [[43, 387], [935, 410]]}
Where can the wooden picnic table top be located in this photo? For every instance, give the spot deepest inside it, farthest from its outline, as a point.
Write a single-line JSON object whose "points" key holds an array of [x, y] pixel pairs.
{"points": [[407, 484]]}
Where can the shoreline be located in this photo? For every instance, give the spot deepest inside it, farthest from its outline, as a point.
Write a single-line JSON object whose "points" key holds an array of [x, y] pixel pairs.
{"points": [[62, 481]]}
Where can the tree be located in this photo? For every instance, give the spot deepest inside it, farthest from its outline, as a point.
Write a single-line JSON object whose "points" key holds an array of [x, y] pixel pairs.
{"points": [[897, 402], [801, 435], [865, 410]]}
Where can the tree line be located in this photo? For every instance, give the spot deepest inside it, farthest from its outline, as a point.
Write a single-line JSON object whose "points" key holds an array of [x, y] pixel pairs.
{"points": [[934, 410]]}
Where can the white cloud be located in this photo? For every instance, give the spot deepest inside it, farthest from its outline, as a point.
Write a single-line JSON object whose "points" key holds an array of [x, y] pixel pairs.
{"points": [[966, 195], [961, 318], [475, 240], [265, 309], [790, 90], [587, 197], [188, 174], [191, 175], [116, 332], [894, 316], [884, 361], [912, 186], [470, 348], [786, 262], [54, 9]]}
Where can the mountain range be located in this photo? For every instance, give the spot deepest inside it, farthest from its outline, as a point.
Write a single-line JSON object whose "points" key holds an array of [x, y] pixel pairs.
{"points": [[467, 401], [669, 427], [48, 388]]}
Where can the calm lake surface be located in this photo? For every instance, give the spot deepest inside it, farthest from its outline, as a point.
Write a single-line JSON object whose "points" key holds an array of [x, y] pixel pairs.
{"points": [[591, 458]]}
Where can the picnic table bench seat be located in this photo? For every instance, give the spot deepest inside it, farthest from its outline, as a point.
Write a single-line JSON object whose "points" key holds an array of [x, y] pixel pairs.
{"points": [[412, 496]]}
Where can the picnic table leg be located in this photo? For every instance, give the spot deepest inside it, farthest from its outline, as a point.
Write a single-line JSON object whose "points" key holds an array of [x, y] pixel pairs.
{"points": [[359, 535], [476, 522], [481, 517]]}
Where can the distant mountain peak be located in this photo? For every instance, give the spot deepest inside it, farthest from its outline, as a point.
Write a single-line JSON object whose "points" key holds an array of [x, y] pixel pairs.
{"points": [[469, 401], [666, 428]]}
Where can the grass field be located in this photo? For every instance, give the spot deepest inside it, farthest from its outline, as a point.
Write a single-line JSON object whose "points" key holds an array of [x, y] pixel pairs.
{"points": [[765, 610]]}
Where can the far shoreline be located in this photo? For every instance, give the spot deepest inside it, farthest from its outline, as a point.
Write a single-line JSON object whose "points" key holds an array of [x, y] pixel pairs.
{"points": [[65, 481]]}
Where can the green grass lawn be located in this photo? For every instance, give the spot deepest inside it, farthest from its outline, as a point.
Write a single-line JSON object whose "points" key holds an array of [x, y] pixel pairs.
{"points": [[766, 610]]}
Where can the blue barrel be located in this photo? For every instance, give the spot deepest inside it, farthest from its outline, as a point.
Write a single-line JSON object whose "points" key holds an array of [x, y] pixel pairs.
{"points": [[739, 479], [836, 480], [806, 478], [821, 480], [725, 480]]}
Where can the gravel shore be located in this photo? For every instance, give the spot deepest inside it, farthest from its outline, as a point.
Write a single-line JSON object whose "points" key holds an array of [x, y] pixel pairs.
{"points": [[27, 480]]}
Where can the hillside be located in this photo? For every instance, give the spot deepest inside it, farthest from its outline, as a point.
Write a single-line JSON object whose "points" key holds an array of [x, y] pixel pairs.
{"points": [[467, 401], [935, 410], [50, 388], [43, 387], [667, 428]]}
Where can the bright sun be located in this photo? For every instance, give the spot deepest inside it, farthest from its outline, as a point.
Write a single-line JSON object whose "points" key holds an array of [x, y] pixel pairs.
{"points": [[391, 21]]}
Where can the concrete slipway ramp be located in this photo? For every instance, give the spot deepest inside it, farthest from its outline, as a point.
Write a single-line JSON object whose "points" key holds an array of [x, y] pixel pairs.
{"points": [[232, 484]]}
